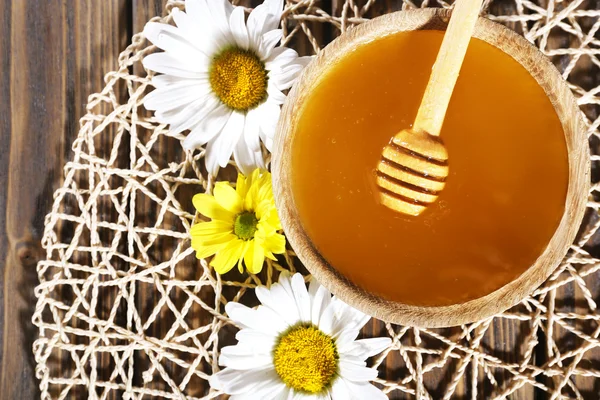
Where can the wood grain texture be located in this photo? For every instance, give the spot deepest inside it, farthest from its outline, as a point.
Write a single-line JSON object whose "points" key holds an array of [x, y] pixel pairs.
{"points": [[53, 54]]}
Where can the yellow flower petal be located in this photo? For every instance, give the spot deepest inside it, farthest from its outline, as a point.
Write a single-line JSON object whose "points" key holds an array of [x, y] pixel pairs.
{"points": [[255, 175], [270, 220], [206, 251], [249, 256], [241, 186], [217, 238], [273, 219], [244, 250], [253, 194], [265, 192], [261, 209], [250, 202], [208, 206], [211, 228], [228, 256], [227, 197], [275, 243], [255, 257]]}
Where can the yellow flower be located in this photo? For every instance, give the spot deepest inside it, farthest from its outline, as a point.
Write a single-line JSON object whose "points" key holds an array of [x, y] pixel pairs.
{"points": [[244, 224]]}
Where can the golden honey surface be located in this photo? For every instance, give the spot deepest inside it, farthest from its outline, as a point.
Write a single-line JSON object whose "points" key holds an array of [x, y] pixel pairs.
{"points": [[503, 198]]}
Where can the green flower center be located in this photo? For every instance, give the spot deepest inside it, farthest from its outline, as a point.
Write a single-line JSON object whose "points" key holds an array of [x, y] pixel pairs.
{"points": [[306, 359], [239, 78], [245, 225]]}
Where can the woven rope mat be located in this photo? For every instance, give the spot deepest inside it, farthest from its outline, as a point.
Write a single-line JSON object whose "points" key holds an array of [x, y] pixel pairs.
{"points": [[126, 311]]}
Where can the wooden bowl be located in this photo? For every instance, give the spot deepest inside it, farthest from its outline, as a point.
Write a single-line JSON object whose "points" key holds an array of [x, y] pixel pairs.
{"points": [[440, 316]]}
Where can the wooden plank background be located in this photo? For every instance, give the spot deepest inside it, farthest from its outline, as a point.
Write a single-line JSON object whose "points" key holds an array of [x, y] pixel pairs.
{"points": [[53, 54]]}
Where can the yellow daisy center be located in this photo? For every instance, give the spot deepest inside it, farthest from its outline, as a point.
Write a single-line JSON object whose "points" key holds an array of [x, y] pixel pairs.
{"points": [[239, 79], [306, 359], [245, 225]]}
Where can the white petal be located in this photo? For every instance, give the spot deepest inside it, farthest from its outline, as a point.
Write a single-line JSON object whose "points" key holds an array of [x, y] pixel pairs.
{"points": [[192, 118], [174, 97], [321, 396], [198, 31], [320, 300], [230, 358], [240, 313], [279, 300], [246, 160], [274, 7], [220, 11], [305, 60], [267, 391], [263, 319], [247, 348], [313, 286], [257, 24], [347, 318], [276, 391], [228, 8], [326, 320], [346, 337], [237, 24], [287, 394], [243, 396], [211, 125], [356, 373], [186, 117], [251, 130], [285, 77], [258, 339], [173, 41], [211, 159], [259, 160], [164, 81], [213, 17], [271, 388], [164, 63], [229, 137], [269, 116], [235, 382], [301, 296], [275, 95], [245, 362], [280, 57], [365, 348], [269, 41], [339, 390], [185, 23], [197, 9], [268, 143], [285, 281], [365, 390], [152, 30]]}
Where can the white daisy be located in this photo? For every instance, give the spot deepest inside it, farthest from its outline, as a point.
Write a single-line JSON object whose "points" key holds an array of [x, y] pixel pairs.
{"points": [[298, 344], [223, 78]]}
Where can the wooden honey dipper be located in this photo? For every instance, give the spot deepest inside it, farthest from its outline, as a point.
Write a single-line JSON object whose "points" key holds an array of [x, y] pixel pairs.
{"points": [[414, 165]]}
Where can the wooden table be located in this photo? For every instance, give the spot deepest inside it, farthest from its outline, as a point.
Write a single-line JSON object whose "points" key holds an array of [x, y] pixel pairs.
{"points": [[54, 53]]}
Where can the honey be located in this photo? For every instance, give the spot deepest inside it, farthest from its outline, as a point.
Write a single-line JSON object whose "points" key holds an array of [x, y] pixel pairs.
{"points": [[504, 196]]}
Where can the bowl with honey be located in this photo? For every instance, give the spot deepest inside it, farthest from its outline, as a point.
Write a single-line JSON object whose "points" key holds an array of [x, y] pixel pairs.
{"points": [[513, 200]]}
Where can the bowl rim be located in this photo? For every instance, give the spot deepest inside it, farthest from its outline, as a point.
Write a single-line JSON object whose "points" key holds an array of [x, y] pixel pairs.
{"points": [[547, 76]]}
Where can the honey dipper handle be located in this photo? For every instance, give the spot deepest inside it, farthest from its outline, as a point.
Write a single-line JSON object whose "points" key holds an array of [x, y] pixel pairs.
{"points": [[444, 74]]}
